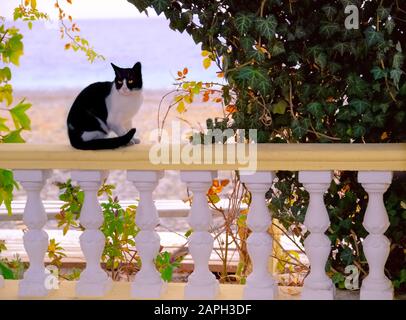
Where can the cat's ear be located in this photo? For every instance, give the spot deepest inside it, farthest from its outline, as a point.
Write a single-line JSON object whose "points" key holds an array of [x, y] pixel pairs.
{"points": [[116, 69], [137, 66]]}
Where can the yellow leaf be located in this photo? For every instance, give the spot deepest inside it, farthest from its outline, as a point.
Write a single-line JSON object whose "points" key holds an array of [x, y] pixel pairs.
{"points": [[384, 136], [189, 98], [220, 74], [205, 53], [181, 107], [67, 46], [207, 63], [34, 4]]}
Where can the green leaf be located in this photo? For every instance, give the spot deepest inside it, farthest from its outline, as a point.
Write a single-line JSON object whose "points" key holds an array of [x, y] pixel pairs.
{"points": [[266, 26], [6, 272], [277, 48], [20, 118], [360, 105], [13, 137], [3, 126], [5, 74], [346, 256], [358, 131], [373, 37], [341, 47], [330, 11], [315, 108], [378, 73], [279, 107], [397, 60], [244, 22], [299, 128], [321, 60], [167, 273], [390, 25], [329, 29], [255, 78], [395, 75], [160, 6]]}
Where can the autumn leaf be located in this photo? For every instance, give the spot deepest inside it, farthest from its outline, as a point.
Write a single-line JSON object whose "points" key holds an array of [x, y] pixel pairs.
{"points": [[181, 107], [185, 71], [384, 136], [207, 63], [231, 108]]}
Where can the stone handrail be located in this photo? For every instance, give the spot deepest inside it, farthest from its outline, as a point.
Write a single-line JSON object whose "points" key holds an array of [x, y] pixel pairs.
{"points": [[375, 163]]}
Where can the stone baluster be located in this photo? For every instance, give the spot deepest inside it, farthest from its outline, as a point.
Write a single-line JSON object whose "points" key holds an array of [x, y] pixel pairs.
{"points": [[147, 282], [376, 245], [260, 283], [202, 284], [94, 281], [317, 284], [35, 239]]}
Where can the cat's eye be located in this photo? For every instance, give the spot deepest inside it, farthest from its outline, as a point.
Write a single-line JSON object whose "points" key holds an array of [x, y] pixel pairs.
{"points": [[130, 81], [120, 82]]}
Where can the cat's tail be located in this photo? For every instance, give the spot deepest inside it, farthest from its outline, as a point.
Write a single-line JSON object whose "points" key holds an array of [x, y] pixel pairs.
{"points": [[101, 144]]}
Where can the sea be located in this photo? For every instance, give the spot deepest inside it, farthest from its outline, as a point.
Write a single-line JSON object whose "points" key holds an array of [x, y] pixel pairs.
{"points": [[47, 66]]}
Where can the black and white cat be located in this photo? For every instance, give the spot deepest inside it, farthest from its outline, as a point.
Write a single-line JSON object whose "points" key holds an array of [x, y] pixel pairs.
{"points": [[105, 107]]}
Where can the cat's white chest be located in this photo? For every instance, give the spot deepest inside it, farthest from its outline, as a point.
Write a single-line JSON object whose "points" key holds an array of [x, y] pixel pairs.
{"points": [[122, 108]]}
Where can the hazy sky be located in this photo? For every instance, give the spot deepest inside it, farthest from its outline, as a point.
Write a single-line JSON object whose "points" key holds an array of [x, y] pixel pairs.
{"points": [[81, 9]]}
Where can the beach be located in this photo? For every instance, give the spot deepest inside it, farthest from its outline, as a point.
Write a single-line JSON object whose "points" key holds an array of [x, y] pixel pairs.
{"points": [[48, 126]]}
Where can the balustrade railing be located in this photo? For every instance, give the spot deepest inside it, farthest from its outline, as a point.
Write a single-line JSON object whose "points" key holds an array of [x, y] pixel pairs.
{"points": [[33, 164]]}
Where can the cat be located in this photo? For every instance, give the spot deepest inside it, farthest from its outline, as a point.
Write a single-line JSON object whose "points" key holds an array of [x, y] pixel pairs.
{"points": [[105, 107]]}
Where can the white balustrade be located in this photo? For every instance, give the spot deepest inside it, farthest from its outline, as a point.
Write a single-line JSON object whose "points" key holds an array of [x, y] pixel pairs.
{"points": [[376, 245], [317, 284], [147, 282], [35, 238], [94, 281], [260, 283], [202, 284]]}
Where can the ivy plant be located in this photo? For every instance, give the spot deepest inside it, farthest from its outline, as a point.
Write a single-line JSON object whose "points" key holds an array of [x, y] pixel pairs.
{"points": [[298, 74]]}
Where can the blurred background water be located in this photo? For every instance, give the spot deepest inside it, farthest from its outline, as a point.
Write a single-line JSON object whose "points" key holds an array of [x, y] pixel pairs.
{"points": [[46, 65]]}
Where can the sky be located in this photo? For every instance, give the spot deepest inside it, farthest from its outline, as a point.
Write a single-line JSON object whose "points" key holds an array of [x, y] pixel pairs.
{"points": [[81, 9]]}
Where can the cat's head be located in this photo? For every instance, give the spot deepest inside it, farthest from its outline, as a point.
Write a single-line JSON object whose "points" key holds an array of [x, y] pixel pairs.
{"points": [[128, 80]]}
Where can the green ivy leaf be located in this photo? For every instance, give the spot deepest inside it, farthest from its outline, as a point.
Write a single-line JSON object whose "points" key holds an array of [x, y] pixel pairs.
{"points": [[277, 48], [395, 75], [358, 131], [160, 6], [378, 73], [255, 78], [373, 37], [315, 108], [299, 128], [266, 26], [359, 105], [244, 22], [329, 11], [329, 29], [397, 60]]}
